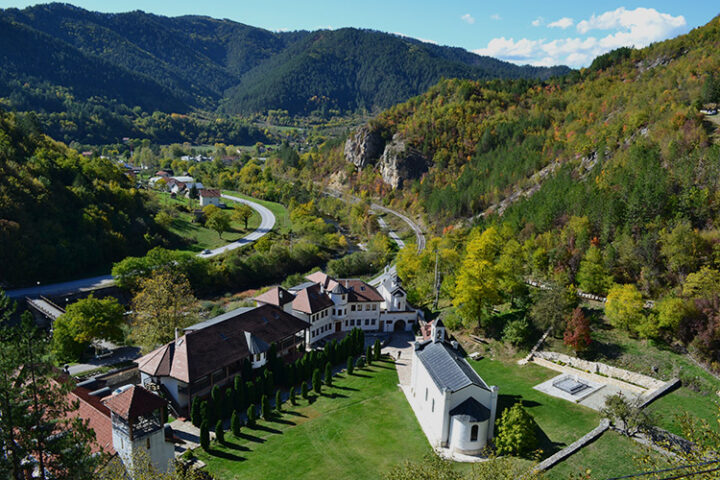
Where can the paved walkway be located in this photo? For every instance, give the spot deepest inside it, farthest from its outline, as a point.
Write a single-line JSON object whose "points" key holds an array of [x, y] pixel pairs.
{"points": [[119, 354], [400, 348]]}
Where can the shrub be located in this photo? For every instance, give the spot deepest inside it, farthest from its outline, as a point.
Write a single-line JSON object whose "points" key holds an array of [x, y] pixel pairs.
{"points": [[278, 401], [350, 365], [265, 407], [251, 416], [204, 436], [219, 432], [328, 374], [196, 412], [517, 332], [516, 432], [316, 383], [235, 423], [292, 396]]}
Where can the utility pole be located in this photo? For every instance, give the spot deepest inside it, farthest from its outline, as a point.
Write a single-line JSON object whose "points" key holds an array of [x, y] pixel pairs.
{"points": [[437, 281]]}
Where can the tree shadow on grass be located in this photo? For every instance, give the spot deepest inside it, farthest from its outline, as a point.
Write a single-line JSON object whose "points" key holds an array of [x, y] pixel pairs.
{"points": [[340, 387], [267, 429], [279, 419], [334, 395], [293, 412], [545, 444], [361, 375], [250, 438], [507, 401], [602, 350], [226, 455], [235, 446]]}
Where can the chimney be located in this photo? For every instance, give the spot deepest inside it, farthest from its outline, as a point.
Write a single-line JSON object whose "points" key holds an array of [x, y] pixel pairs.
{"points": [[177, 333]]}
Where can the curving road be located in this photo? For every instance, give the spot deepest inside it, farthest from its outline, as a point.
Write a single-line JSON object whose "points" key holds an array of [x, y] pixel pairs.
{"points": [[267, 222]]}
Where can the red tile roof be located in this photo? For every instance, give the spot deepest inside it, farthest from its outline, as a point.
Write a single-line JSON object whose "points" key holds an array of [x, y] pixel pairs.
{"points": [[311, 300], [323, 279], [359, 291], [203, 350], [134, 402], [209, 192], [158, 362], [277, 296]]}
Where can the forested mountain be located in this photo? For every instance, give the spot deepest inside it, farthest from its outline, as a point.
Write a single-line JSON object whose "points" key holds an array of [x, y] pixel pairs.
{"points": [[62, 214], [179, 64]]}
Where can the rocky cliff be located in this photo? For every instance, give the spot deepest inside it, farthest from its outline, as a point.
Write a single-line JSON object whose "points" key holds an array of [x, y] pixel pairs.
{"points": [[396, 160]]}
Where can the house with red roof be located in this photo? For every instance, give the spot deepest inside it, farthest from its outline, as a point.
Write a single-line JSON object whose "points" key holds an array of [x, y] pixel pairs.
{"points": [[332, 305], [209, 196]]}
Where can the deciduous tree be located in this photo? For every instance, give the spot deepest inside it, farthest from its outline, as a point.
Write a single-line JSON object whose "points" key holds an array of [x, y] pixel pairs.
{"points": [[577, 332]]}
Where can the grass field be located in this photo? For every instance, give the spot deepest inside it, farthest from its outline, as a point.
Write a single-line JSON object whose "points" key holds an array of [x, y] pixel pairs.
{"points": [[560, 422], [282, 216], [358, 429], [612, 455]]}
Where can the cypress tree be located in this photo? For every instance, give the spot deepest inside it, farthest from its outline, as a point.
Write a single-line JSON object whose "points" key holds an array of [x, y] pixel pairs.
{"points": [[235, 423], [211, 412], [278, 401], [204, 436], [292, 396], [316, 383], [360, 363], [269, 382], [304, 390], [259, 388], [250, 392], [350, 365], [377, 350], [195, 412], [242, 397], [368, 355], [228, 403], [251, 415], [219, 432], [361, 342], [265, 407]]}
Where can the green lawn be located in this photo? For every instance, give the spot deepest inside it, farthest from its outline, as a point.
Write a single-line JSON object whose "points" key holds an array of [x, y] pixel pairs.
{"points": [[282, 216], [200, 236], [560, 422], [612, 455], [366, 429]]}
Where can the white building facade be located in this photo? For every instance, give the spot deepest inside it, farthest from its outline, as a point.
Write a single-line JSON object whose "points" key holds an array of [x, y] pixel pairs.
{"points": [[455, 407]]}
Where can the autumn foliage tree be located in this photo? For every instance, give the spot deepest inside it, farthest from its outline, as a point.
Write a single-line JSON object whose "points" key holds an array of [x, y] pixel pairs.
{"points": [[164, 302], [577, 332]]}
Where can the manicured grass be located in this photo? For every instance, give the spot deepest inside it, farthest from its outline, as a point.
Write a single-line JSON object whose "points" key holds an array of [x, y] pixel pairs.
{"points": [[560, 422], [282, 216], [701, 406], [611, 455], [200, 236], [358, 429]]}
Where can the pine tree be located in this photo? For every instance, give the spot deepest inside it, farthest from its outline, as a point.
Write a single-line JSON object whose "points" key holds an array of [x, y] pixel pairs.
{"points": [[265, 408], [292, 396], [316, 383], [278, 401], [205, 436], [235, 423], [195, 412], [219, 432], [328, 374], [350, 365], [251, 415]]}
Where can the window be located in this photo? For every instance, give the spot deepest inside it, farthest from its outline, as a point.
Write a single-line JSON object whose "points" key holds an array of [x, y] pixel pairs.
{"points": [[347, 323], [474, 433], [352, 307], [374, 306], [367, 322], [372, 322], [426, 394], [432, 407]]}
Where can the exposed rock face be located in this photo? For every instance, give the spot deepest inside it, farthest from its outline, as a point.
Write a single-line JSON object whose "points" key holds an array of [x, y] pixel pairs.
{"points": [[364, 146], [401, 162]]}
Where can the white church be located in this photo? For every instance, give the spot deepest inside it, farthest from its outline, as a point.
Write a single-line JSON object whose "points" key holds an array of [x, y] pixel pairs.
{"points": [[454, 406]]}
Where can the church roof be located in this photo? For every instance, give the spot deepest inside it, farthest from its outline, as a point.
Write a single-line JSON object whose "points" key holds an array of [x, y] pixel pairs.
{"points": [[448, 369], [472, 410]]}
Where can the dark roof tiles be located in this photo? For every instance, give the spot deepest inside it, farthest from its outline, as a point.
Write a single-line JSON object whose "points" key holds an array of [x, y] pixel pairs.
{"points": [[448, 369]]}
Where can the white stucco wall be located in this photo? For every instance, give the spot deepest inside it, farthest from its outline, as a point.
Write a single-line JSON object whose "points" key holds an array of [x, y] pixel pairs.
{"points": [[161, 453], [460, 436]]}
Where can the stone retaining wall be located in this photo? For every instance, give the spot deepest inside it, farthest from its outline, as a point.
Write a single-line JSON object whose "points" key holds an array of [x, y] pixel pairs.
{"points": [[651, 396], [603, 370], [574, 447]]}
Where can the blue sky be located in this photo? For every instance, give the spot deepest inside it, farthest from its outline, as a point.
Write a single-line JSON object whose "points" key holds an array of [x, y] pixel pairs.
{"points": [[535, 32]]}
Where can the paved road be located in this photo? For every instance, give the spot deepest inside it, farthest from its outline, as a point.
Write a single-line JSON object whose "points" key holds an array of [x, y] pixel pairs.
{"points": [[267, 222]]}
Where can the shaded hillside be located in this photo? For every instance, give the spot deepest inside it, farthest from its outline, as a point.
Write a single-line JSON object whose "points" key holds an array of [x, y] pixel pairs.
{"points": [[183, 63], [63, 215]]}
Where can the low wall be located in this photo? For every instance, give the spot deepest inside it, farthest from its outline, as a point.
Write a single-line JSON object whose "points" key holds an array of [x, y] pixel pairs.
{"points": [[573, 447], [590, 376], [603, 370]]}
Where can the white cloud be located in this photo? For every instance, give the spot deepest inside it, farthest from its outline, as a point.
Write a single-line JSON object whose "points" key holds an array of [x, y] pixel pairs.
{"points": [[563, 23], [467, 18], [495, 16], [538, 21], [637, 28]]}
